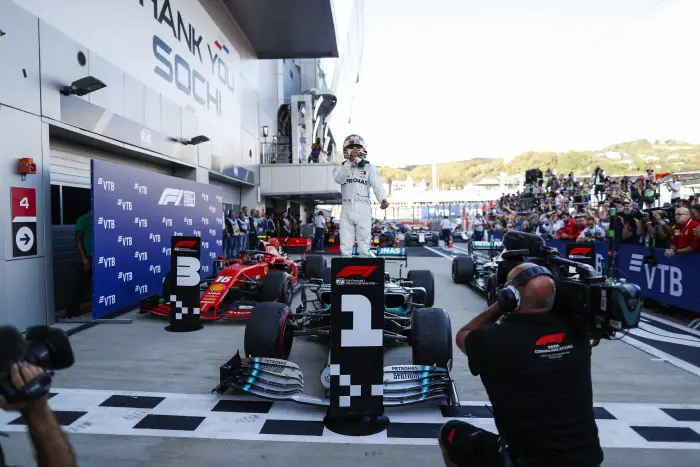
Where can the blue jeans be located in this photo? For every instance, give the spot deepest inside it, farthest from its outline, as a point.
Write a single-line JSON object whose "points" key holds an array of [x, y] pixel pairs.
{"points": [[229, 246], [319, 238], [446, 234], [243, 242]]}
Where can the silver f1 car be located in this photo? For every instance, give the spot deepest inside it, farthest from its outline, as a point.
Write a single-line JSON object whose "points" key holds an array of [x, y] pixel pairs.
{"points": [[409, 318], [479, 267]]}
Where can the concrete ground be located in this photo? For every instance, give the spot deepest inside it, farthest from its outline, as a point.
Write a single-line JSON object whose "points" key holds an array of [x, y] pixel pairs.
{"points": [[143, 357]]}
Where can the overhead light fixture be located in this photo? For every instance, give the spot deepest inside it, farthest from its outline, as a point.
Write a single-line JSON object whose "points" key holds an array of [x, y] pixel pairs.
{"points": [[196, 140], [83, 86], [274, 139], [266, 131]]}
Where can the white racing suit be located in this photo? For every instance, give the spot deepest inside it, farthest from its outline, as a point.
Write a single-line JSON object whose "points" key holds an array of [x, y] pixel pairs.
{"points": [[356, 216]]}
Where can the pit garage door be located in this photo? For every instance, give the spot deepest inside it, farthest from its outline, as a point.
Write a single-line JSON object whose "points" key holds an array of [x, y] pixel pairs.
{"points": [[70, 198]]}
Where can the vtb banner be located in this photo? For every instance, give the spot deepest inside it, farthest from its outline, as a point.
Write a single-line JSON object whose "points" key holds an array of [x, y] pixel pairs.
{"points": [[357, 337], [134, 215]]}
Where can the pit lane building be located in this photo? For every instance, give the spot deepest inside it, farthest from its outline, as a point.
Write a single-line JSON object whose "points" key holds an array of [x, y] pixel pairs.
{"points": [[221, 92]]}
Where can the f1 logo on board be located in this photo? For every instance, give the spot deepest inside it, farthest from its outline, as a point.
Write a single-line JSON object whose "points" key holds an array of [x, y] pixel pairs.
{"points": [[673, 285], [363, 271], [185, 244], [345, 276], [177, 198], [580, 251]]}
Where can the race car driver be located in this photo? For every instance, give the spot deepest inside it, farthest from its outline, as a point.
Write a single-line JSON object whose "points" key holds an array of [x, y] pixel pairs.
{"points": [[356, 175]]}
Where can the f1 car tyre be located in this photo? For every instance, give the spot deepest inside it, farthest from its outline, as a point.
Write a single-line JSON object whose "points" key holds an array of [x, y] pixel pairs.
{"points": [[491, 286], [313, 265], [431, 332], [326, 275], [277, 287], [268, 333], [462, 269], [423, 278]]}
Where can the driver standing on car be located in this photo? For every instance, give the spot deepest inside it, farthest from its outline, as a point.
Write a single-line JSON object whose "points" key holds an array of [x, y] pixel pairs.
{"points": [[536, 369], [356, 175]]}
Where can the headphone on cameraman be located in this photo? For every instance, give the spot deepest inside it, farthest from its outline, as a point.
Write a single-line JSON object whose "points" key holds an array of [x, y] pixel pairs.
{"points": [[509, 297]]}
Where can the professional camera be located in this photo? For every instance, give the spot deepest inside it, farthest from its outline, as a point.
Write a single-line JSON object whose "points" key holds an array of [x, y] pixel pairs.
{"points": [[532, 176], [43, 346], [596, 305], [665, 213]]}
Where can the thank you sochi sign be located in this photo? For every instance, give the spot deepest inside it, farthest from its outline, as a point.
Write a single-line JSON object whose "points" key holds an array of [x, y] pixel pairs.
{"points": [[135, 214], [184, 276], [357, 337]]}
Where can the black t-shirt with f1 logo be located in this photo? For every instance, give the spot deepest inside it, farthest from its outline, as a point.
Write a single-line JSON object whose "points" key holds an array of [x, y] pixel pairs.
{"points": [[538, 377]]}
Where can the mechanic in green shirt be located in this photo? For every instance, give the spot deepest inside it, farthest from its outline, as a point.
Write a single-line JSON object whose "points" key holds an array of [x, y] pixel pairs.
{"points": [[83, 242]]}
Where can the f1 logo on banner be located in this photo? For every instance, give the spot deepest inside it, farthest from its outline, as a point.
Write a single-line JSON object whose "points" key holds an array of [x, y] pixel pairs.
{"points": [[134, 241]]}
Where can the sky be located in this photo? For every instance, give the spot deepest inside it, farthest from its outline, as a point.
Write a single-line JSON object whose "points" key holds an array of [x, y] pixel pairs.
{"points": [[449, 80]]}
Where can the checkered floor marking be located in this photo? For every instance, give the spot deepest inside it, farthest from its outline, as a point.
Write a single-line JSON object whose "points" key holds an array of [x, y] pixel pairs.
{"points": [[650, 426]]}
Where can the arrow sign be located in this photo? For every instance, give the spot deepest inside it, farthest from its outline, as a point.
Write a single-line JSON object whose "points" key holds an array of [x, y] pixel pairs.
{"points": [[24, 234]]}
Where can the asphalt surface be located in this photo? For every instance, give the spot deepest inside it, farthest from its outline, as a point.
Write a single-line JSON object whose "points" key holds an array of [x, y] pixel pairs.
{"points": [[141, 356]]}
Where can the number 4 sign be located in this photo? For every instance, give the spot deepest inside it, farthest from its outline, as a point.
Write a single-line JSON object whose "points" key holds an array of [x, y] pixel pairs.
{"points": [[23, 217]]}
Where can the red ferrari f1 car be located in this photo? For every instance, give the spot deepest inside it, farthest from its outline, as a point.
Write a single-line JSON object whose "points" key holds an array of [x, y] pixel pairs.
{"points": [[262, 275]]}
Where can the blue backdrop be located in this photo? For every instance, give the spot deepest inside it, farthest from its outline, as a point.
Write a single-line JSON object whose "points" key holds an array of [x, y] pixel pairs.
{"points": [[673, 281], [134, 215]]}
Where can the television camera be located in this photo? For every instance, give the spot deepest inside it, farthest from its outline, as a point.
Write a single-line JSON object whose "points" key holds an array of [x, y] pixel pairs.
{"points": [[595, 305], [43, 346]]}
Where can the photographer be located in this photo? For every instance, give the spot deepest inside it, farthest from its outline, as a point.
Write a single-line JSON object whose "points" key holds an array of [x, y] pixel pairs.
{"points": [[684, 237], [537, 373], [592, 232], [50, 443]]}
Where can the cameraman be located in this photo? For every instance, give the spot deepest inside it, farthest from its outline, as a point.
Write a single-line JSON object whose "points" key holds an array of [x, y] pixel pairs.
{"points": [[592, 232], [51, 445], [537, 373], [684, 237]]}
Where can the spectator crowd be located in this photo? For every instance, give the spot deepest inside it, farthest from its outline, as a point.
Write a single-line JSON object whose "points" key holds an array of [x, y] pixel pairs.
{"points": [[626, 210]]}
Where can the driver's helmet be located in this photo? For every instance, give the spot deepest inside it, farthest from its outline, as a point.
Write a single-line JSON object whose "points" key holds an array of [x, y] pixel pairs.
{"points": [[354, 142]]}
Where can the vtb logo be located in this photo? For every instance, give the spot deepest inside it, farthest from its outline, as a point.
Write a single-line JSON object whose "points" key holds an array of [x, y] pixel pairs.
{"points": [[362, 271], [550, 339], [580, 251], [177, 198]]}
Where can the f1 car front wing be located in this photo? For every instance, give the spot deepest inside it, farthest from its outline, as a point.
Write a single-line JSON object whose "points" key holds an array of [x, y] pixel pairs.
{"points": [[282, 380]]}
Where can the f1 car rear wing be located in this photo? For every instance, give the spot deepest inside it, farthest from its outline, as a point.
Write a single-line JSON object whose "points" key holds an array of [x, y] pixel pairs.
{"points": [[492, 245], [389, 253], [275, 379]]}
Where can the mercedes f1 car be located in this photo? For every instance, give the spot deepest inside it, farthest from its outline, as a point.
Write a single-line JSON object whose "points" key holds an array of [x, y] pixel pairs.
{"points": [[422, 236], [479, 267], [237, 285], [409, 318]]}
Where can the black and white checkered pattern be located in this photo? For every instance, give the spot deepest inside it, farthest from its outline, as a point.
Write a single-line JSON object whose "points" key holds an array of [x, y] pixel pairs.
{"points": [[355, 389], [180, 309], [230, 417]]}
